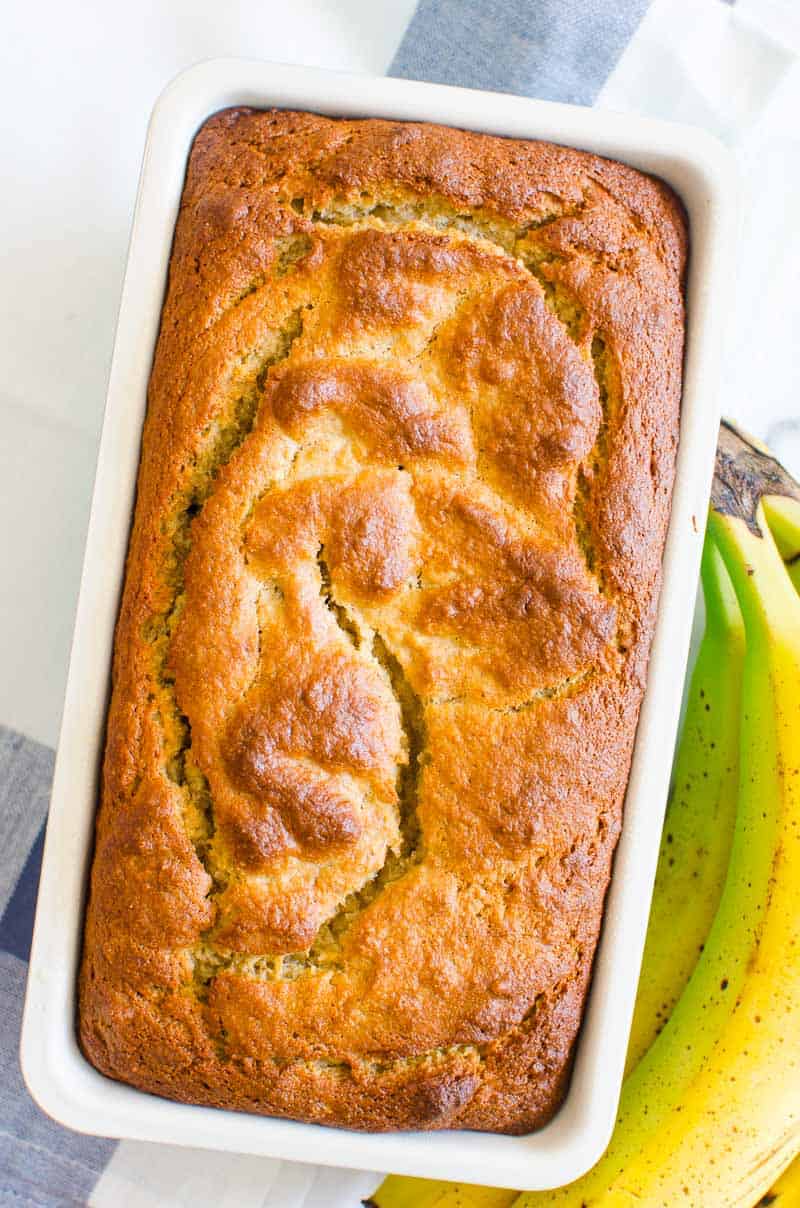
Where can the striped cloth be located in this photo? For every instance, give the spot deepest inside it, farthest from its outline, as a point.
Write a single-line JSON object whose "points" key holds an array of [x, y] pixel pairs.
{"points": [[704, 60]]}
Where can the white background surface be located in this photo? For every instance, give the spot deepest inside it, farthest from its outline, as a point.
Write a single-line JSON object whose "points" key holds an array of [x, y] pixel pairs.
{"points": [[77, 82]]}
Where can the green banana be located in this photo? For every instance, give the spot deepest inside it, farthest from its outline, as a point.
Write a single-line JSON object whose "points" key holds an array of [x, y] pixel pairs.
{"points": [[698, 827], [783, 518]]}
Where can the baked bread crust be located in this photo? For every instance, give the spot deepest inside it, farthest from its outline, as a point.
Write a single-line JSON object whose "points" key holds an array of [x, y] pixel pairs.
{"points": [[391, 585]]}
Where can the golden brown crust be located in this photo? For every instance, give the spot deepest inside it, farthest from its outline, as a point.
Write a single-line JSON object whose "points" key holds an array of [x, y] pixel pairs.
{"points": [[391, 586]]}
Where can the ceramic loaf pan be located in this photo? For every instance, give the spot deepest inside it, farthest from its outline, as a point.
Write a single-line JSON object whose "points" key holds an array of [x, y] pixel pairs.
{"points": [[59, 1077]]}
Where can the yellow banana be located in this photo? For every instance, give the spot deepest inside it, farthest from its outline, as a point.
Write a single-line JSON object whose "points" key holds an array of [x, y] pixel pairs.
{"points": [[398, 1192], [782, 512], [785, 1192], [698, 827], [783, 516]]}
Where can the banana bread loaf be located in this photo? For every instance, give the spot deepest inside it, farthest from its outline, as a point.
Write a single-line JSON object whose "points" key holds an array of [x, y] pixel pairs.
{"points": [[391, 585]]}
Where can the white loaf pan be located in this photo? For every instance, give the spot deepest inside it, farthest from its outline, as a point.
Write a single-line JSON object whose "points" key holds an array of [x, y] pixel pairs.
{"points": [[58, 1076]]}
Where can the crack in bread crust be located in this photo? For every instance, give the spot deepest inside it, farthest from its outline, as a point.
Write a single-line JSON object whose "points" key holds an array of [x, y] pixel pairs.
{"points": [[322, 952], [391, 585]]}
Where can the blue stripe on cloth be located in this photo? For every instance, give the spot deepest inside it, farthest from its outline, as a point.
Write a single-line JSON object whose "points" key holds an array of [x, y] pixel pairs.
{"points": [[557, 50], [41, 1163], [26, 772], [16, 925]]}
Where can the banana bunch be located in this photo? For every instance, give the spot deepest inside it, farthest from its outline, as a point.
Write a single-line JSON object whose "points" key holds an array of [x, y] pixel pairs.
{"points": [[710, 1110]]}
